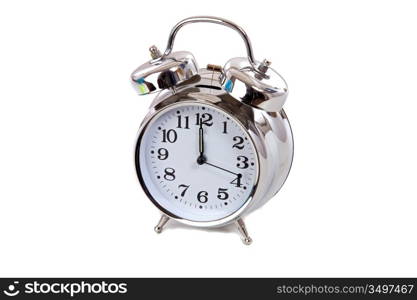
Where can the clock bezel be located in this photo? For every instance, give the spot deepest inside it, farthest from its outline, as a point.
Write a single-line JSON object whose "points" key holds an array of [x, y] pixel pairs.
{"points": [[232, 112]]}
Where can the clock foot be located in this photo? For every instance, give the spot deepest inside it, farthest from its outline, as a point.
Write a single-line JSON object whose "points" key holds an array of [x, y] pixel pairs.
{"points": [[162, 221], [246, 239]]}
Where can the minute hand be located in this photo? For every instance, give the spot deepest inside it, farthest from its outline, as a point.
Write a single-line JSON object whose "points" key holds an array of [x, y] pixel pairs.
{"points": [[201, 139], [239, 175]]}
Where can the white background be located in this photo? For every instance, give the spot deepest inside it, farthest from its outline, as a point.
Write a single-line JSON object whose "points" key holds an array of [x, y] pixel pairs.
{"points": [[70, 203]]}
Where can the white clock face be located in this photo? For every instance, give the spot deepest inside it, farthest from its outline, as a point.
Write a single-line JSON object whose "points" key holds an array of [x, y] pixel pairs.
{"points": [[197, 162]]}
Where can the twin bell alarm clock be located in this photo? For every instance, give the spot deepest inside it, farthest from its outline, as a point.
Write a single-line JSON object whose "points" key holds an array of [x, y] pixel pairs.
{"points": [[216, 143]]}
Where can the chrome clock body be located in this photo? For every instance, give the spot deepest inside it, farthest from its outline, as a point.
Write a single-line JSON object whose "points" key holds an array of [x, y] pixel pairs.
{"points": [[248, 91]]}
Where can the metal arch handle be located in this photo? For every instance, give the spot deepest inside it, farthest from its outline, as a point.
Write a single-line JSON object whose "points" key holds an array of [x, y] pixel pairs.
{"points": [[215, 20]]}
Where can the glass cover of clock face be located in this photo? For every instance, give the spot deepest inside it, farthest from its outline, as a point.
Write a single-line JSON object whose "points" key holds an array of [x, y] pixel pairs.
{"points": [[197, 162]]}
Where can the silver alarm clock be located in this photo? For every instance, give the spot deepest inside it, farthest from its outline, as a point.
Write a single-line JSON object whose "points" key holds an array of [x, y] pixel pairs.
{"points": [[216, 143]]}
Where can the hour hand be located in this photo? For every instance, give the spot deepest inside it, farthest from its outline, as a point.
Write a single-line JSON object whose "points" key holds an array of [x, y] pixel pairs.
{"points": [[221, 168]]}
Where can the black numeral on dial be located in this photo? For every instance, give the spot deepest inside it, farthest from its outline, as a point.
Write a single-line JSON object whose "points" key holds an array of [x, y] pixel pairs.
{"points": [[202, 197], [242, 162], [184, 187], [222, 194], [236, 182], [169, 136], [239, 142], [169, 174], [186, 122], [205, 119], [224, 127], [162, 154]]}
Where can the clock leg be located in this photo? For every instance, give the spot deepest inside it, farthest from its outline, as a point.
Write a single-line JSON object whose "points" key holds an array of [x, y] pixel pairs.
{"points": [[246, 239], [162, 221]]}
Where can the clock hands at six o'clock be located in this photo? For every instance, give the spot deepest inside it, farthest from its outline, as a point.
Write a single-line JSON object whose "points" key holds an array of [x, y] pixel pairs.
{"points": [[201, 159]]}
